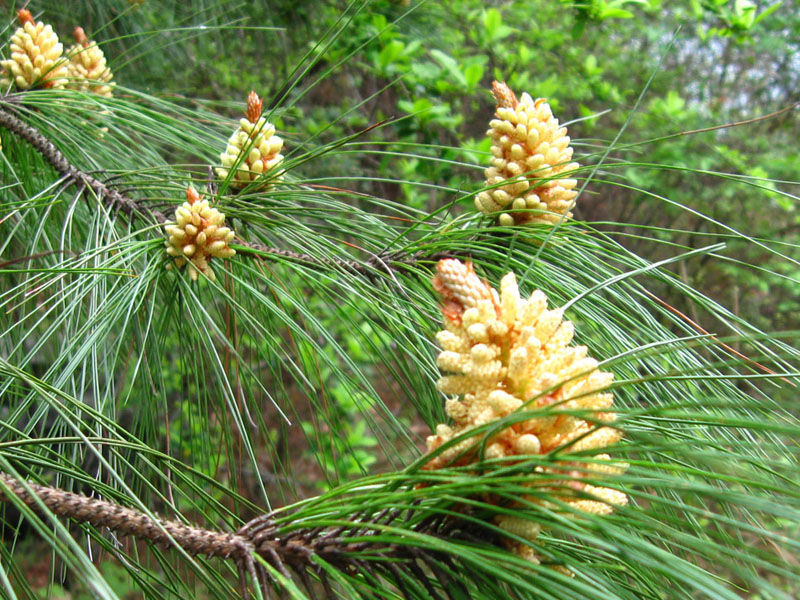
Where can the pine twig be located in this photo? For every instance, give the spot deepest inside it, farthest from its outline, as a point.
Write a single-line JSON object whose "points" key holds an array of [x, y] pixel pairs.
{"points": [[112, 199], [125, 521], [294, 552], [117, 201]]}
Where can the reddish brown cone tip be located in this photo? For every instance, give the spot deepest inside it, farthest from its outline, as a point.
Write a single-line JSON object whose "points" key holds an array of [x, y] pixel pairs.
{"points": [[24, 16], [452, 307], [504, 95], [254, 105], [191, 195], [80, 37]]}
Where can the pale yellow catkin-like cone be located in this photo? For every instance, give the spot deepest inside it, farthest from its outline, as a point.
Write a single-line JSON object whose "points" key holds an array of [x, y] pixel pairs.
{"points": [[36, 56], [87, 69], [198, 235], [254, 146], [502, 353], [530, 155]]}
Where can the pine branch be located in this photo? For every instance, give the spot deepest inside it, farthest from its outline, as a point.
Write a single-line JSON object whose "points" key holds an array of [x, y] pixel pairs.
{"points": [[112, 199], [127, 521], [116, 201], [293, 552], [384, 262]]}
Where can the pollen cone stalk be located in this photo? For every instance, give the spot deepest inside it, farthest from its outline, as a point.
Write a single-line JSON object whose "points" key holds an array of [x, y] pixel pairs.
{"points": [[36, 56], [530, 154], [87, 70], [503, 353], [198, 235], [254, 147]]}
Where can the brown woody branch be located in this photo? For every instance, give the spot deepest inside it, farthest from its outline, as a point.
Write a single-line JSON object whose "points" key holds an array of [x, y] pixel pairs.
{"points": [[288, 553], [127, 521], [111, 198]]}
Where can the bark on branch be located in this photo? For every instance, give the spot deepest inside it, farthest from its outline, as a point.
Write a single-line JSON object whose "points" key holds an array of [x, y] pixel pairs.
{"points": [[287, 553], [111, 198]]}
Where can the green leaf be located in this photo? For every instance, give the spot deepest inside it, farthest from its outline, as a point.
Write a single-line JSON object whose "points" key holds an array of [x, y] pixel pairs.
{"points": [[473, 74], [767, 12], [390, 53], [591, 66], [494, 27], [611, 12], [450, 65], [492, 21]]}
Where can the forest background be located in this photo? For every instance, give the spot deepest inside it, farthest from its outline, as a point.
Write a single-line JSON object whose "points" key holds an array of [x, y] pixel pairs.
{"points": [[683, 117]]}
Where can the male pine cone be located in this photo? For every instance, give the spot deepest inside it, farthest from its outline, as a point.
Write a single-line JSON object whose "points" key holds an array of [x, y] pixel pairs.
{"points": [[87, 69], [503, 353], [254, 147], [530, 153], [36, 56], [198, 235]]}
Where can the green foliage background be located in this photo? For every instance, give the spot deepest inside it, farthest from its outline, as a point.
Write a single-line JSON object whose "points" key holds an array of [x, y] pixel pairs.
{"points": [[283, 380]]}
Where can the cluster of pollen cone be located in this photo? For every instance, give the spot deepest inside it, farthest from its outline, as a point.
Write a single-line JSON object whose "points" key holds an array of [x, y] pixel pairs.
{"points": [[36, 56], [87, 69], [530, 155], [503, 353], [38, 60], [198, 235], [253, 149]]}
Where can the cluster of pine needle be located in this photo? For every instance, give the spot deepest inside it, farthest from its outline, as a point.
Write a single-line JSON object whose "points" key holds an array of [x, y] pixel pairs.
{"points": [[588, 439]]}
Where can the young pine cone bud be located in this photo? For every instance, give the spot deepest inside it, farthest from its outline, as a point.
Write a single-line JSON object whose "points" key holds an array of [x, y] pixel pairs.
{"points": [[502, 353], [36, 56], [253, 146], [87, 68], [198, 235], [529, 151]]}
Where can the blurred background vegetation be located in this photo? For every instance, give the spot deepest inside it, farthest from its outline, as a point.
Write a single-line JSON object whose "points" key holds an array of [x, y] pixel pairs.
{"points": [[662, 101]]}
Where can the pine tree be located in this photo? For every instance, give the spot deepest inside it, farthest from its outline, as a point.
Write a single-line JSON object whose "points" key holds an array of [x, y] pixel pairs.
{"points": [[218, 369]]}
